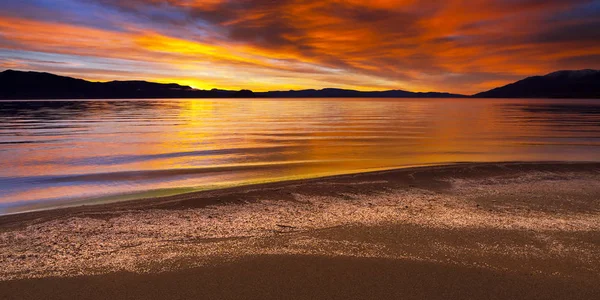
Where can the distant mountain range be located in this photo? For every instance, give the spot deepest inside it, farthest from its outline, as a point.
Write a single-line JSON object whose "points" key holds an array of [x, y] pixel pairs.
{"points": [[36, 85], [341, 93]]}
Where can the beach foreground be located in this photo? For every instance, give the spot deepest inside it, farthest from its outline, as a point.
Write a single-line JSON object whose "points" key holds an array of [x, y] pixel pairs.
{"points": [[475, 231]]}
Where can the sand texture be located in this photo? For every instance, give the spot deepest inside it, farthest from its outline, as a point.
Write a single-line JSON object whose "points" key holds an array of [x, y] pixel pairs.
{"points": [[494, 231]]}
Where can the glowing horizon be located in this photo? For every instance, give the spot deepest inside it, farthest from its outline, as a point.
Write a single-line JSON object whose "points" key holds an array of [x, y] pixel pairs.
{"points": [[456, 46]]}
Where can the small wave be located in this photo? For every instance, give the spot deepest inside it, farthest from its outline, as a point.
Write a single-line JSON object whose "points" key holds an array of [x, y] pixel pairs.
{"points": [[29, 142], [123, 159], [158, 174]]}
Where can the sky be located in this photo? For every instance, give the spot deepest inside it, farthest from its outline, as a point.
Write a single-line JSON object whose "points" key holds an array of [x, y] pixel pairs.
{"points": [[459, 46]]}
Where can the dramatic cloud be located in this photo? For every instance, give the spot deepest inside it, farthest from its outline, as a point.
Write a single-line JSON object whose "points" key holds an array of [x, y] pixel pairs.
{"points": [[457, 46]]}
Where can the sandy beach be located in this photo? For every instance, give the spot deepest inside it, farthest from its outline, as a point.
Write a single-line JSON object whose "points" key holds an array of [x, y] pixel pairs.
{"points": [[462, 231]]}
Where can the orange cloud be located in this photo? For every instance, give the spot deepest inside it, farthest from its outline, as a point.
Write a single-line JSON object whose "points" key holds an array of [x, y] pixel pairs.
{"points": [[456, 46]]}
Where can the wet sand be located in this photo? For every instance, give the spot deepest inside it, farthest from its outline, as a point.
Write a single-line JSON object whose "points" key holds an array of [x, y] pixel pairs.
{"points": [[474, 231]]}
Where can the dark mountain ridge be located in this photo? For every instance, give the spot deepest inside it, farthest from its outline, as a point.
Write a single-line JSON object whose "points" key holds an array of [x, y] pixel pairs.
{"points": [[38, 85], [343, 93], [561, 84]]}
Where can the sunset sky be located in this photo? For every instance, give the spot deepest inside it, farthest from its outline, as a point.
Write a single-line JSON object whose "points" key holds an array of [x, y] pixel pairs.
{"points": [[454, 45]]}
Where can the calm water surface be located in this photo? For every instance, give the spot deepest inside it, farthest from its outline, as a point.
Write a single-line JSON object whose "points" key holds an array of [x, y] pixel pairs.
{"points": [[56, 153]]}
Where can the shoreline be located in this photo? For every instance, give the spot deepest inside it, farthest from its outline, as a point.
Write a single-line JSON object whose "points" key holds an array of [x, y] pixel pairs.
{"points": [[513, 229], [92, 206], [182, 191]]}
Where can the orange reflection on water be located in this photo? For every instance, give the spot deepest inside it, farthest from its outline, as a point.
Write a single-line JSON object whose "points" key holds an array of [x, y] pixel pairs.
{"points": [[74, 150]]}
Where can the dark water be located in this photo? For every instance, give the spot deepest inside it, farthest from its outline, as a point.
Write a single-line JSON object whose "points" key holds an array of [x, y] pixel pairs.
{"points": [[65, 152]]}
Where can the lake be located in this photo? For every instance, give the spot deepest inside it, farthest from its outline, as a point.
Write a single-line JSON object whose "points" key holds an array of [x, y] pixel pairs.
{"points": [[57, 153]]}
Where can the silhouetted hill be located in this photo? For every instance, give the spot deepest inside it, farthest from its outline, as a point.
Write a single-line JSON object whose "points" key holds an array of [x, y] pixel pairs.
{"points": [[561, 84], [36, 85]]}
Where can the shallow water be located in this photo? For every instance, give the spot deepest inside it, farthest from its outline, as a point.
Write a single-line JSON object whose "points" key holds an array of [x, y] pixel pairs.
{"points": [[71, 152]]}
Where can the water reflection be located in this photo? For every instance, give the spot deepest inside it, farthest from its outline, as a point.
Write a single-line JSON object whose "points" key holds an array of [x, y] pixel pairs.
{"points": [[71, 150]]}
